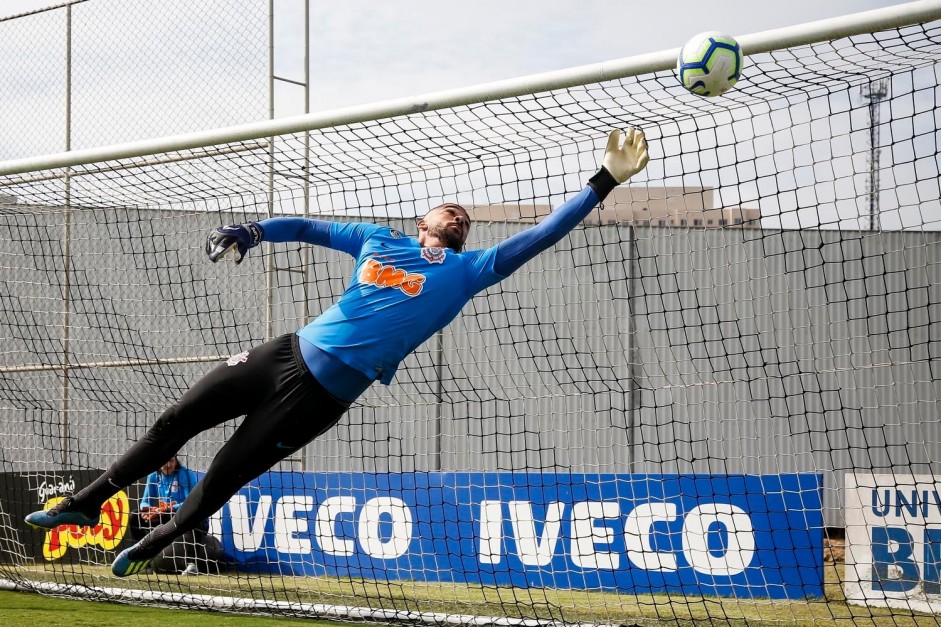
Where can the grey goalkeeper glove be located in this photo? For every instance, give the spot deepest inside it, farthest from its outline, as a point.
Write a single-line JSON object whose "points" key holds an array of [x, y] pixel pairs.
{"points": [[621, 161], [233, 241]]}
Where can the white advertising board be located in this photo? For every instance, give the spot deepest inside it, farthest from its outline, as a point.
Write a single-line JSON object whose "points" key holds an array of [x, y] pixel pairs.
{"points": [[893, 541]]}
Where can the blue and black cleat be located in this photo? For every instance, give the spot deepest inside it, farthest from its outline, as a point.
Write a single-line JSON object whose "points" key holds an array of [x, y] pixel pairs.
{"points": [[124, 565], [60, 515]]}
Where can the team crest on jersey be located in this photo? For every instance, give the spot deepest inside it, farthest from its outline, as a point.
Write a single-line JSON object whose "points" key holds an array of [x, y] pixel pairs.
{"points": [[396, 234], [433, 254], [235, 360]]}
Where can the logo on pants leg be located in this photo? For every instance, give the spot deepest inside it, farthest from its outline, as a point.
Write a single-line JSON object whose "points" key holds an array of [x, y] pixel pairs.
{"points": [[235, 360]]}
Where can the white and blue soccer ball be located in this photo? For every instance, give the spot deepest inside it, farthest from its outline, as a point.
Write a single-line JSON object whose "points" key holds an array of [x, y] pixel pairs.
{"points": [[710, 64]]}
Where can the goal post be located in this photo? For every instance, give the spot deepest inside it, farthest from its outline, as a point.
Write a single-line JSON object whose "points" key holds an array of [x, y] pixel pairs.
{"points": [[675, 414]]}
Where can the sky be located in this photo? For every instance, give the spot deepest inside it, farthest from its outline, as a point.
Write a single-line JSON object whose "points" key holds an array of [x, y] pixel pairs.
{"points": [[371, 50], [364, 51], [361, 51]]}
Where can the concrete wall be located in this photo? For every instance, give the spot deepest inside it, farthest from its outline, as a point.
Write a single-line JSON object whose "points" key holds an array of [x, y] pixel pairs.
{"points": [[653, 350]]}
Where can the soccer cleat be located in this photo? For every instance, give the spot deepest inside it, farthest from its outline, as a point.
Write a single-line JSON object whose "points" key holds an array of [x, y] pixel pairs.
{"points": [[124, 565], [58, 515], [190, 569]]}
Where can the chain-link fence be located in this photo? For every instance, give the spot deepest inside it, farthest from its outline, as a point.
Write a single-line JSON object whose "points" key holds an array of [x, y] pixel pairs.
{"points": [[96, 72]]}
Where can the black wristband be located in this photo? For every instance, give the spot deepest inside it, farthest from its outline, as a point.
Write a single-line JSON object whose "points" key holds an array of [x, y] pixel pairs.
{"points": [[602, 183], [258, 233]]}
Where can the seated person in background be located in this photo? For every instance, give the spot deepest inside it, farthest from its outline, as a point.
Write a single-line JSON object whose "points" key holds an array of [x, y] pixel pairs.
{"points": [[196, 551], [165, 491]]}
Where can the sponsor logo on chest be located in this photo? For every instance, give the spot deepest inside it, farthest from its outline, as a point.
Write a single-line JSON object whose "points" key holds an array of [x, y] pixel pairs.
{"points": [[375, 273]]}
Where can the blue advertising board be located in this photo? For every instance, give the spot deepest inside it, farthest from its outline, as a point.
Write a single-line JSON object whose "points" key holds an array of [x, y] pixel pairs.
{"points": [[724, 535]]}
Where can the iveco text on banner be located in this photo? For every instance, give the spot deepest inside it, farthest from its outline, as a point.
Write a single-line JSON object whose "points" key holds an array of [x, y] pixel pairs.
{"points": [[729, 535]]}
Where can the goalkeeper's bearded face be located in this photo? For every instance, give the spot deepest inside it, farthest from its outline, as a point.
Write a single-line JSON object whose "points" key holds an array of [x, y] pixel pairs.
{"points": [[449, 224]]}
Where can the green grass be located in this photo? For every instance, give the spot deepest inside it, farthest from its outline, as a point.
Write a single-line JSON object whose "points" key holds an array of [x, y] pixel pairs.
{"points": [[35, 610], [552, 604]]}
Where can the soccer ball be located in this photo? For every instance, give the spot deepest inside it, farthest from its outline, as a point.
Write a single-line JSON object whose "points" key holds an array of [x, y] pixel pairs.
{"points": [[710, 64]]}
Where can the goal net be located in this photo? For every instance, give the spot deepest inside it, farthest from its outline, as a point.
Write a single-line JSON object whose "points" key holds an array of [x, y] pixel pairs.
{"points": [[717, 399]]}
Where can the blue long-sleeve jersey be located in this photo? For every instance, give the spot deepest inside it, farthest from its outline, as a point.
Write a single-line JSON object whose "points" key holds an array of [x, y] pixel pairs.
{"points": [[402, 293], [172, 488]]}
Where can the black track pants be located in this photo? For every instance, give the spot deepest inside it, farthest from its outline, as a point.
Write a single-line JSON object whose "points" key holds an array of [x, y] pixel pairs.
{"points": [[284, 408]]}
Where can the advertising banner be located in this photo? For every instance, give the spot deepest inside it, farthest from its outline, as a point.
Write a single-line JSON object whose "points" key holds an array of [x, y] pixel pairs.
{"points": [[728, 535], [746, 536], [22, 493], [893, 541]]}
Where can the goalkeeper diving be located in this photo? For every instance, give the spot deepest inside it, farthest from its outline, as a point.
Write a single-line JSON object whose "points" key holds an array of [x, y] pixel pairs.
{"points": [[297, 386]]}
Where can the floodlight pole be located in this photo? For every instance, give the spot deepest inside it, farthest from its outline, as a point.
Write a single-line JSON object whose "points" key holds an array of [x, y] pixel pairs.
{"points": [[270, 270], [875, 93], [271, 284], [64, 426]]}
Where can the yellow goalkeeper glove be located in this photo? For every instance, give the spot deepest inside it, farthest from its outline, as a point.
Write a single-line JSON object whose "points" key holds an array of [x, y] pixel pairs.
{"points": [[623, 161]]}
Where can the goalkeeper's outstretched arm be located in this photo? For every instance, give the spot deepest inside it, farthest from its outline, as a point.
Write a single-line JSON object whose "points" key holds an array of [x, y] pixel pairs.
{"points": [[620, 163], [237, 239]]}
